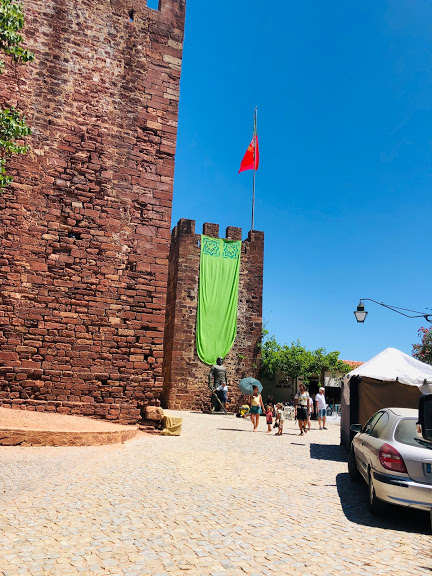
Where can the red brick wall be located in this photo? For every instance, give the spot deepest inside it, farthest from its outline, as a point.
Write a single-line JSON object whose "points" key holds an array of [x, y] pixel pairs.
{"points": [[85, 227], [185, 375]]}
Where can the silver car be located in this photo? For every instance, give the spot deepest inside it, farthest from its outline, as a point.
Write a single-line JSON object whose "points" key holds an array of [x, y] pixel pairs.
{"points": [[393, 461]]}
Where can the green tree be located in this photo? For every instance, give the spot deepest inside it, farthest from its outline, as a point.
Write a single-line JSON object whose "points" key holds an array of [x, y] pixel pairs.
{"points": [[332, 363], [423, 351], [270, 352], [296, 361], [13, 127]]}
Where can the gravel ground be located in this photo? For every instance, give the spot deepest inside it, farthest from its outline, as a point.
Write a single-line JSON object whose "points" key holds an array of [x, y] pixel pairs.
{"points": [[219, 500]]}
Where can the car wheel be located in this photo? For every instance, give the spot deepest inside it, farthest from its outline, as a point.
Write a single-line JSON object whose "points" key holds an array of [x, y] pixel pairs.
{"points": [[352, 466], [376, 506]]}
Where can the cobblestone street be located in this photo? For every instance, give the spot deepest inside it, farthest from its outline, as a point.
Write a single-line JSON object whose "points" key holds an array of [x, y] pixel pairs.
{"points": [[218, 500]]}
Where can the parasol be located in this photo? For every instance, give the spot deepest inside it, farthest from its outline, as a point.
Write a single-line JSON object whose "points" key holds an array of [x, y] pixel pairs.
{"points": [[246, 385]]}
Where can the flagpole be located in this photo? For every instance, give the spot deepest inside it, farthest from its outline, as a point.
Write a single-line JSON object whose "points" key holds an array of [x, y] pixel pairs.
{"points": [[254, 168]]}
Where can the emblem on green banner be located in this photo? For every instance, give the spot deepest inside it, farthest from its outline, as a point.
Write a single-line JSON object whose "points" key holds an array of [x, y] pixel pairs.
{"points": [[217, 297]]}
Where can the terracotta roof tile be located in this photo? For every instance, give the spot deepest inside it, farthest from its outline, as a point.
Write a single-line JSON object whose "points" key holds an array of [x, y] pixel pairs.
{"points": [[353, 363]]}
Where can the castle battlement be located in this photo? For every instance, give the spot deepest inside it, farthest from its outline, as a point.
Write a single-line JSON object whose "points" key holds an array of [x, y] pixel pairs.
{"points": [[186, 226]]}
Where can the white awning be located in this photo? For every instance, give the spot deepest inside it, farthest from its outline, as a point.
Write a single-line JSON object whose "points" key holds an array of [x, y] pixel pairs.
{"points": [[392, 365]]}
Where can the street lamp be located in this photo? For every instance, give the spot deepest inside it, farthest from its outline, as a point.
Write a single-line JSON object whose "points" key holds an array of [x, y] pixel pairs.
{"points": [[361, 313]]}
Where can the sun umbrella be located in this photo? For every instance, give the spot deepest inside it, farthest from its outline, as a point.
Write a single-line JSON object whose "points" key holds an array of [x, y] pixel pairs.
{"points": [[246, 385]]}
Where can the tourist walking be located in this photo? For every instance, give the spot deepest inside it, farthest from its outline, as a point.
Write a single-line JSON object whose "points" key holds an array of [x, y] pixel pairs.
{"points": [[301, 402], [256, 407], [280, 417], [321, 407]]}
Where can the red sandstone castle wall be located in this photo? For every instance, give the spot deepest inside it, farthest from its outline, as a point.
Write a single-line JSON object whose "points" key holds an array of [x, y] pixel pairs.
{"points": [[185, 375], [85, 227]]}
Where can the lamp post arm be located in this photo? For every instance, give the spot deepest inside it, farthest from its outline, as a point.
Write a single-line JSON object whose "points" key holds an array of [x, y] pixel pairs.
{"points": [[427, 317]]}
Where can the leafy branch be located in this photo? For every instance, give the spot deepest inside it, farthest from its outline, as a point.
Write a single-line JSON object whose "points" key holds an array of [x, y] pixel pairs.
{"points": [[13, 125], [423, 351]]}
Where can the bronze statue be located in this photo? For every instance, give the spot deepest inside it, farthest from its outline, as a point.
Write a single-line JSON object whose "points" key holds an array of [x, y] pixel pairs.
{"points": [[219, 387]]}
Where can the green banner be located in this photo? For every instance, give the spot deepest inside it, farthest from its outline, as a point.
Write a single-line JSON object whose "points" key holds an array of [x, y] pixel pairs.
{"points": [[217, 297]]}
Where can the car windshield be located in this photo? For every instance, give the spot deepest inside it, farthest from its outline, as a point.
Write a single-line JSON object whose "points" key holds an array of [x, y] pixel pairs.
{"points": [[406, 432]]}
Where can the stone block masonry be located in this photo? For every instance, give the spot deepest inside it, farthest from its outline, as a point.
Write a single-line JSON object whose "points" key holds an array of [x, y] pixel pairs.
{"points": [[185, 375], [85, 227]]}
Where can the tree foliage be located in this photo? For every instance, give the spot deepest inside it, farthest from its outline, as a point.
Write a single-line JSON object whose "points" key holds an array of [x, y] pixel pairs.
{"points": [[423, 351], [296, 361], [13, 127]]}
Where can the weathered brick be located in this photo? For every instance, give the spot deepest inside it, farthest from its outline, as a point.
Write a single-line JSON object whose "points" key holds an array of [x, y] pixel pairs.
{"points": [[84, 233]]}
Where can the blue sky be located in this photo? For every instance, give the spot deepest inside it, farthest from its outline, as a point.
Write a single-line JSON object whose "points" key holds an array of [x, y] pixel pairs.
{"points": [[344, 97]]}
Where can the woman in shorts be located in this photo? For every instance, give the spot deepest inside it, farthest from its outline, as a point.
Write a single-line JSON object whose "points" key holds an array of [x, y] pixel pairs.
{"points": [[256, 407], [301, 403]]}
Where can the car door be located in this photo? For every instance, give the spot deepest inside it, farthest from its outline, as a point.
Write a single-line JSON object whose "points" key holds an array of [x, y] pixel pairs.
{"points": [[374, 441], [362, 444]]}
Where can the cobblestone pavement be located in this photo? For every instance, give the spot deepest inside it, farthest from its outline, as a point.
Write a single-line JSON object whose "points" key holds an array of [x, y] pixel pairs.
{"points": [[219, 500]]}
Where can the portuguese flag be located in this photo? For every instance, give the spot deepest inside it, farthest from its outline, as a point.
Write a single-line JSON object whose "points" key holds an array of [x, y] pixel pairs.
{"points": [[251, 158]]}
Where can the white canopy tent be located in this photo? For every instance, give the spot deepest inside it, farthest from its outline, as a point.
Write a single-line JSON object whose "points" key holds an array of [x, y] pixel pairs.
{"points": [[392, 365], [389, 379]]}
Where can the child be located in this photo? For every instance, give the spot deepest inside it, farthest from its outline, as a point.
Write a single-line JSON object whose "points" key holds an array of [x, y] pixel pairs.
{"points": [[269, 417], [280, 417]]}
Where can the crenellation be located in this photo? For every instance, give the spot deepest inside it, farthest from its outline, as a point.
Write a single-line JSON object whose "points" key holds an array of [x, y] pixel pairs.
{"points": [[210, 229], [233, 233]]}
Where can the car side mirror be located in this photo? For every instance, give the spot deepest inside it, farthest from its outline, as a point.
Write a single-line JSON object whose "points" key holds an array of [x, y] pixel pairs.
{"points": [[356, 428], [424, 424]]}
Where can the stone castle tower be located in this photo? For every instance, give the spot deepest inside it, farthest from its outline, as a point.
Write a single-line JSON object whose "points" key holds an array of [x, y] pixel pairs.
{"points": [[185, 376], [85, 227]]}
